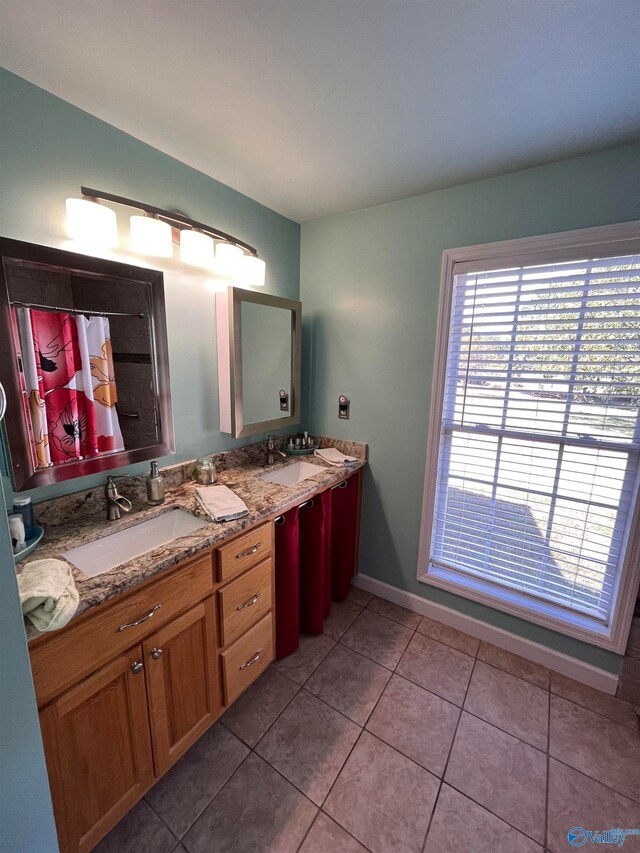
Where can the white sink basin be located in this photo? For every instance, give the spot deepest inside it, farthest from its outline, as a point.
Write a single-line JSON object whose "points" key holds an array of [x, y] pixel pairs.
{"points": [[111, 551], [292, 474]]}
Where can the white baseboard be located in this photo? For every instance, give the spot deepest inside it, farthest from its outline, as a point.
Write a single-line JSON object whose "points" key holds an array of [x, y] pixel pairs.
{"points": [[558, 661]]}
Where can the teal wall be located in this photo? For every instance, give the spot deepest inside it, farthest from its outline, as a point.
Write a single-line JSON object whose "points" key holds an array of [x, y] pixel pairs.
{"points": [[49, 148], [369, 287], [26, 816]]}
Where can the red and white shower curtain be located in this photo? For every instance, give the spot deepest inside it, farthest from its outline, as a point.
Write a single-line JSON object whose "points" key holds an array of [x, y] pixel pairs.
{"points": [[69, 385]]}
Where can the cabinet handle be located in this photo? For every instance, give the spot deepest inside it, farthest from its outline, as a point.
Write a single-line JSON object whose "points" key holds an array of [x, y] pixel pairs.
{"points": [[252, 660], [249, 552], [156, 653], [342, 485], [249, 603], [137, 667], [140, 621]]}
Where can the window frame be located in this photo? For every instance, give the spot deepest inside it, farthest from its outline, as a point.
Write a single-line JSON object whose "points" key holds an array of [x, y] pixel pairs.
{"points": [[602, 241]]}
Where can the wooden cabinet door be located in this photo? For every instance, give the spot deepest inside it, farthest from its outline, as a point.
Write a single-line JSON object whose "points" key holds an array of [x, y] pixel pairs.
{"points": [[98, 749], [182, 682]]}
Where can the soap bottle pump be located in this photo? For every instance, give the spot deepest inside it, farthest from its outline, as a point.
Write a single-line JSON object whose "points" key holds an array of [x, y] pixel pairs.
{"points": [[155, 486]]}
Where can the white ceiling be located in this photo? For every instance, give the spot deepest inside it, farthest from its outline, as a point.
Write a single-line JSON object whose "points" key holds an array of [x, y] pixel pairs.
{"points": [[315, 107]]}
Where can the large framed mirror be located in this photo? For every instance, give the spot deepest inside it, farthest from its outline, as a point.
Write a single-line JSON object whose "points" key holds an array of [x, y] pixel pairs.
{"points": [[84, 362], [259, 361]]}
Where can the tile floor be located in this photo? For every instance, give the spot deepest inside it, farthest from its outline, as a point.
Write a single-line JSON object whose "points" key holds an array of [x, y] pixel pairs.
{"points": [[393, 734]]}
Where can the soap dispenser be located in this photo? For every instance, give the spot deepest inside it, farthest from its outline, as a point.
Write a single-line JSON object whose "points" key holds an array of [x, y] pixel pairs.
{"points": [[155, 486]]}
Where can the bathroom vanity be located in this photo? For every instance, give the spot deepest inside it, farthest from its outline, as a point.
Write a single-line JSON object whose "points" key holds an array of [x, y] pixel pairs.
{"points": [[160, 646]]}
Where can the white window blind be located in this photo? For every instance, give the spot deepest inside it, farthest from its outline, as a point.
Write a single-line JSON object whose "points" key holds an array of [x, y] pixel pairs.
{"points": [[540, 435]]}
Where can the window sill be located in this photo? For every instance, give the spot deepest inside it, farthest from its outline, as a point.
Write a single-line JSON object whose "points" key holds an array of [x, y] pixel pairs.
{"points": [[543, 613]]}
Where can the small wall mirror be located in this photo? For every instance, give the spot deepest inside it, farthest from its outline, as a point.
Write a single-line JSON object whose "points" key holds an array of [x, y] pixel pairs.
{"points": [[83, 358], [259, 361]]}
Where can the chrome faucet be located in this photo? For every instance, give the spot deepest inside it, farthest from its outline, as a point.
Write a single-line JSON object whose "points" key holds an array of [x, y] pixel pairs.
{"points": [[116, 503], [271, 450]]}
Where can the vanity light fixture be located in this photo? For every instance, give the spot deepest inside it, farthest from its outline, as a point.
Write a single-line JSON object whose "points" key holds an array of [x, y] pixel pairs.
{"points": [[196, 248], [90, 222], [149, 235], [228, 258]]}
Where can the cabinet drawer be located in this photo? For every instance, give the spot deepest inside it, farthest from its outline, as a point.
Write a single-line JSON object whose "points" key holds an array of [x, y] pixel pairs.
{"points": [[245, 601], [63, 659], [244, 551], [249, 656]]}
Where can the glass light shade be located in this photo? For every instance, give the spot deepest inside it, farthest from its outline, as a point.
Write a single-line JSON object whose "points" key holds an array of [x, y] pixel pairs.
{"points": [[90, 222], [151, 236], [228, 259], [252, 270], [196, 248]]}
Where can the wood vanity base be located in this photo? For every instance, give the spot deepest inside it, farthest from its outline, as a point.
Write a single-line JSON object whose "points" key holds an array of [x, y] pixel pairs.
{"points": [[126, 689]]}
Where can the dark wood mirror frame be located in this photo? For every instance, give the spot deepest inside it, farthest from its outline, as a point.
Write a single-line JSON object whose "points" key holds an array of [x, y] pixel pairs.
{"points": [[16, 432]]}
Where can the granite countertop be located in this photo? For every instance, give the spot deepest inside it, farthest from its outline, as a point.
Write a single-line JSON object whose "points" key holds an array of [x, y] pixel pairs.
{"points": [[263, 499]]}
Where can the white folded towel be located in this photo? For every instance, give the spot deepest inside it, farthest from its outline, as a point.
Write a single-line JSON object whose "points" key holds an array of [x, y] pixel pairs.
{"points": [[220, 503], [48, 593], [334, 457]]}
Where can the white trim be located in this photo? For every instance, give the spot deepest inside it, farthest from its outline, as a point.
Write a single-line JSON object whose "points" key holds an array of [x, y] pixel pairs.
{"points": [[621, 238], [586, 673]]}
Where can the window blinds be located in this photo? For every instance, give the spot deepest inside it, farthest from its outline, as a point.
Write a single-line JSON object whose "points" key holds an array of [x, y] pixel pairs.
{"points": [[540, 435]]}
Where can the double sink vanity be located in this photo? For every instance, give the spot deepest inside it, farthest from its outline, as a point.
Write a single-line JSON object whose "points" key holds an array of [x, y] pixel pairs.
{"points": [[163, 641], [177, 614]]}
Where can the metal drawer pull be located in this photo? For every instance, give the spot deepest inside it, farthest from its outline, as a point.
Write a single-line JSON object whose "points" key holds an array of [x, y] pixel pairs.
{"points": [[252, 660], [342, 485], [140, 621], [156, 653], [249, 603], [137, 667], [306, 503], [280, 519], [249, 552]]}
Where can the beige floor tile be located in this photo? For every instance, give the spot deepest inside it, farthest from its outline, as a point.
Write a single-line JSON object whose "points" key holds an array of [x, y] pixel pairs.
{"points": [[308, 744], [251, 715], [449, 636], [604, 750], [359, 596], [416, 722], [349, 682], [309, 655], [437, 668], [382, 798], [575, 800], [342, 615], [510, 703], [460, 824], [257, 811], [392, 611], [377, 638], [516, 665], [182, 793], [141, 831], [501, 773], [594, 700], [326, 836]]}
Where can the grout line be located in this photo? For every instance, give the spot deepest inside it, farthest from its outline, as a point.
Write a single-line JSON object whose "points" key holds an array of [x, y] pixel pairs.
{"points": [[548, 766], [446, 764]]}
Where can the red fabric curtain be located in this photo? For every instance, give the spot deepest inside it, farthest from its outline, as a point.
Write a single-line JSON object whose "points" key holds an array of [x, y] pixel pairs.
{"points": [[315, 600], [287, 585], [70, 415], [344, 517]]}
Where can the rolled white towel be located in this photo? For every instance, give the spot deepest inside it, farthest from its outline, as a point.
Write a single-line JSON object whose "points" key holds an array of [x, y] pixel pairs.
{"points": [[220, 503], [334, 457], [48, 593]]}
